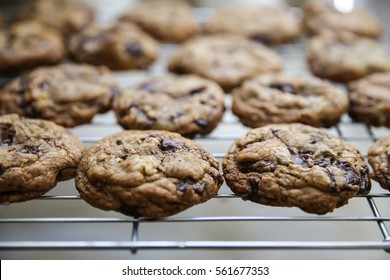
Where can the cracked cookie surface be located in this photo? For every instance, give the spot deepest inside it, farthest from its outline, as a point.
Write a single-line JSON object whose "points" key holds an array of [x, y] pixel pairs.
{"points": [[295, 165], [268, 25], [379, 158], [186, 104], [34, 156], [342, 57], [225, 59], [147, 174], [68, 94], [120, 46], [168, 20], [282, 99], [28, 44], [369, 100]]}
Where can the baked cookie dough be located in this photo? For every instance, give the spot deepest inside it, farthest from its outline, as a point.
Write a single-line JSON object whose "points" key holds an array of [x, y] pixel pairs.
{"points": [[295, 165], [28, 44], [121, 46], [147, 174], [379, 158], [185, 104], [34, 156], [67, 16], [166, 20], [370, 100], [269, 25], [320, 16], [68, 94], [343, 57], [225, 59], [288, 99]]}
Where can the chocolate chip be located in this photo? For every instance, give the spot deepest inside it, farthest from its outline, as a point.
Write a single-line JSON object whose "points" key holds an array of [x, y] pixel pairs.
{"points": [[198, 90], [24, 82], [129, 210], [171, 146], [299, 158], [29, 149], [147, 87], [44, 86], [7, 134], [191, 184], [202, 123], [261, 38], [365, 185], [285, 87], [119, 142], [1, 171], [134, 49], [254, 184]]}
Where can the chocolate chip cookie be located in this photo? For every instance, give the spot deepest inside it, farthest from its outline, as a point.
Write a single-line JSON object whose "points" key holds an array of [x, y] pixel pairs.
{"points": [[147, 174], [370, 100], [67, 16], [320, 16], [67, 94], [269, 25], [28, 44], [343, 57], [166, 20], [379, 158], [186, 104], [295, 165], [226, 59], [121, 46], [34, 156], [281, 99]]}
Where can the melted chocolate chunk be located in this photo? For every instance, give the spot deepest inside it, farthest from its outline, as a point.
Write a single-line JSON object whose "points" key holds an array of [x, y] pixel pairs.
{"points": [[119, 142], [171, 146], [149, 86], [44, 85], [1, 171], [129, 210], [7, 134], [257, 166], [299, 158], [134, 49], [29, 150], [198, 90], [191, 184], [285, 87], [261, 38], [254, 184], [202, 123], [24, 82]]}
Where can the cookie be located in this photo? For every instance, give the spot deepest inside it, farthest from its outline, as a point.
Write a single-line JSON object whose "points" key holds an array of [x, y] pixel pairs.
{"points": [[269, 25], [187, 104], [67, 16], [295, 165], [67, 94], [320, 16], [147, 174], [121, 46], [369, 100], [342, 57], [226, 59], [281, 99], [28, 44], [168, 20], [34, 156], [379, 158]]}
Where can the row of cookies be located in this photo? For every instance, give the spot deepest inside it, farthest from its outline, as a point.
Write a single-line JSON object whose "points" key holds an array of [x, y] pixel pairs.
{"points": [[154, 173], [72, 94]]}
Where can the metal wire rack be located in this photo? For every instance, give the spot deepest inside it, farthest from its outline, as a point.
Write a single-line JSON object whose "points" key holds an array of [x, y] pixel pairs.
{"points": [[220, 224]]}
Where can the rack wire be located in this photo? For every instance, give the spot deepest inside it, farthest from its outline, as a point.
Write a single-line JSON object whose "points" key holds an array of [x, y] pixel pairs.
{"points": [[17, 221]]}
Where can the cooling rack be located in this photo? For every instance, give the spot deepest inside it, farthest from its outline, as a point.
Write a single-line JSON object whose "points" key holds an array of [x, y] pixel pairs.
{"points": [[61, 221]]}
